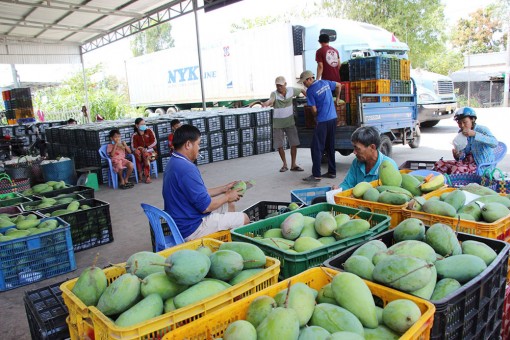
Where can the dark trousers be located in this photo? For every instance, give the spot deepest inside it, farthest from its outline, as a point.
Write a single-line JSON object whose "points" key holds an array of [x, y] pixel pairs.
{"points": [[323, 140]]}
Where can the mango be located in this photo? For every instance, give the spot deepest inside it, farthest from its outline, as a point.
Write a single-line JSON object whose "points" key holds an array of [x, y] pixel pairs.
{"points": [[145, 263], [302, 300], [462, 267], [444, 288], [491, 212], [90, 285], [370, 248], [59, 212], [494, 198], [292, 226], [443, 239], [73, 206], [393, 198], [259, 308], [411, 184], [169, 305], [303, 244], [120, 295], [240, 186], [483, 251], [352, 228], [478, 189], [223, 283], [326, 295], [159, 283], [281, 323], [353, 294], [379, 256], [359, 190], [414, 248], [245, 275], [404, 273], [400, 315], [50, 224], [409, 229], [371, 195], [309, 228], [381, 333], [313, 333], [392, 188], [205, 250], [38, 188], [150, 307], [426, 292], [389, 175], [360, 266], [436, 207], [273, 233], [240, 329], [27, 224], [341, 219], [464, 216], [15, 233], [187, 267], [327, 240], [225, 265], [280, 243], [253, 257], [345, 336], [198, 292], [325, 223], [378, 312], [293, 206], [6, 223], [456, 199], [335, 319]]}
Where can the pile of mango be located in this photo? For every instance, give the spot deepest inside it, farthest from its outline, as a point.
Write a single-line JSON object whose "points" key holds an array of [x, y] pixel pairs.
{"points": [[489, 207], [299, 233], [22, 226], [44, 187], [396, 188], [154, 285], [342, 309], [430, 265], [292, 206]]}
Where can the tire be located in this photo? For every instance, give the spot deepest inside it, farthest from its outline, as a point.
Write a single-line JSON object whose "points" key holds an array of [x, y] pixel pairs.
{"points": [[429, 124], [416, 140], [149, 112], [386, 146], [171, 110], [160, 111], [344, 152]]}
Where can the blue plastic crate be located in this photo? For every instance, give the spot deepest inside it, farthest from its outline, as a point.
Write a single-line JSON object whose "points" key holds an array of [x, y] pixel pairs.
{"points": [[307, 195], [30, 259]]}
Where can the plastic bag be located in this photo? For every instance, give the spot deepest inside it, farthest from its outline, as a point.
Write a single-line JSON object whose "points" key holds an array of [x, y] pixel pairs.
{"points": [[330, 195], [460, 142]]}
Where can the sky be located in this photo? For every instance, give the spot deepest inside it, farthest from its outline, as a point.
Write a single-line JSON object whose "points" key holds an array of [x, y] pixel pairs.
{"points": [[211, 25]]}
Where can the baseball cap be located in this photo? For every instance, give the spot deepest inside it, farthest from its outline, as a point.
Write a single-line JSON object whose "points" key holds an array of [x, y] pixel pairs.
{"points": [[305, 75], [280, 80]]}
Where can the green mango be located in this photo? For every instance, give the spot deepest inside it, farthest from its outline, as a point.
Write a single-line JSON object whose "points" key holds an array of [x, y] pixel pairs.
{"points": [[313, 333], [245, 275], [389, 175], [302, 300], [259, 309], [436, 207], [292, 226], [393, 198], [197, 292], [380, 333], [150, 307], [414, 248], [400, 315], [345, 336], [253, 257], [443, 239], [240, 329], [444, 288], [462, 267], [325, 223], [456, 199], [280, 323], [483, 251], [359, 190], [411, 184], [120, 295], [273, 233], [404, 273], [326, 295], [169, 305], [304, 244], [409, 229], [144, 263], [352, 228], [335, 319], [90, 285], [371, 195], [187, 267], [359, 265], [225, 264], [426, 292], [159, 283], [370, 248], [491, 212]]}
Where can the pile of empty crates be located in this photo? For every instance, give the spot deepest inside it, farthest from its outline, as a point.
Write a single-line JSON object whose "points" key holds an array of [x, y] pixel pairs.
{"points": [[226, 134]]}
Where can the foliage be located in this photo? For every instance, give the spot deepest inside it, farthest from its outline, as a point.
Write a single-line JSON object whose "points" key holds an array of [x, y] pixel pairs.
{"points": [[445, 63], [248, 23], [480, 33], [153, 39], [463, 101]]}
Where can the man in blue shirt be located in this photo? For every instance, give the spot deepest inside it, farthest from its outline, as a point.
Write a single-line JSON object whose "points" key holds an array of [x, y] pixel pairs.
{"points": [[196, 210], [320, 99]]}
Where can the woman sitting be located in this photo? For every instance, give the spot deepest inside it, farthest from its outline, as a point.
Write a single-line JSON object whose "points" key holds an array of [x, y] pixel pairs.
{"points": [[143, 144], [479, 149]]}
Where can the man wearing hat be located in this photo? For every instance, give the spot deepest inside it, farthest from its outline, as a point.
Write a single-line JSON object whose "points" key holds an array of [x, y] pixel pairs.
{"points": [[328, 60], [320, 99], [283, 121]]}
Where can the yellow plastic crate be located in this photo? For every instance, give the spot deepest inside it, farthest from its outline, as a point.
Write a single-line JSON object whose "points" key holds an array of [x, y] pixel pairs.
{"points": [[223, 236], [214, 325], [381, 86], [83, 317], [405, 69]]}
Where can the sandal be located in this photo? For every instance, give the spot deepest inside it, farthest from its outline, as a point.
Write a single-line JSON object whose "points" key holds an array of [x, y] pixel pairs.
{"points": [[123, 186], [311, 178], [283, 169], [296, 168], [328, 175], [129, 185], [148, 180]]}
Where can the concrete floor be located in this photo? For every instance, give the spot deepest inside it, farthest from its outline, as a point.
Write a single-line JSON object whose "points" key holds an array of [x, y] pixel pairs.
{"points": [[131, 228]]}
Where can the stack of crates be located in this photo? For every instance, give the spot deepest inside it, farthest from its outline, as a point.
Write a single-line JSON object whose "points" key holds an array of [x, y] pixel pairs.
{"points": [[18, 105]]}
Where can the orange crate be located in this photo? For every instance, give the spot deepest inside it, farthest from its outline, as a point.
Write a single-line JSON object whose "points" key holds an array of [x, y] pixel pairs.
{"points": [[82, 317], [381, 86], [214, 325], [405, 69]]}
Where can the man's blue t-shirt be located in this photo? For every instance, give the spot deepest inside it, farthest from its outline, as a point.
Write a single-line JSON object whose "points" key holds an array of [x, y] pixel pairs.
{"points": [[358, 174], [319, 95], [185, 194]]}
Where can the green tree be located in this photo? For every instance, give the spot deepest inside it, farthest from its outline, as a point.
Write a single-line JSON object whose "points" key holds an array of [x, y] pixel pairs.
{"points": [[445, 63], [480, 33], [153, 39]]}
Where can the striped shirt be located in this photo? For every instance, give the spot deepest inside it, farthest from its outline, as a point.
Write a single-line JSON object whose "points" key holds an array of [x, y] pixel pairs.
{"points": [[283, 115], [481, 145]]}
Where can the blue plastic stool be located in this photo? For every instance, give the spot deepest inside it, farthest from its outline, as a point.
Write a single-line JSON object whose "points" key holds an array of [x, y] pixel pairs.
{"points": [[162, 242], [154, 168]]}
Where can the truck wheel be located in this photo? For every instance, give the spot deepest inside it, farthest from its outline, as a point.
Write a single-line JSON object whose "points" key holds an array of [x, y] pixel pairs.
{"points": [[160, 111], [171, 110], [430, 123], [416, 138], [149, 112], [386, 145]]}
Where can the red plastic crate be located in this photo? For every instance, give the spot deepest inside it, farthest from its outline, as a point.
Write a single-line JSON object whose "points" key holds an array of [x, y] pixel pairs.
{"points": [[345, 95]]}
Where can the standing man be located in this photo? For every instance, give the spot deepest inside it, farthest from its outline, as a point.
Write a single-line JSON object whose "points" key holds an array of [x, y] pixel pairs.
{"points": [[328, 61], [283, 121], [320, 99]]}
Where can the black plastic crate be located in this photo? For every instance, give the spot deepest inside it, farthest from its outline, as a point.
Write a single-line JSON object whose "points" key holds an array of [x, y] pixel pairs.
{"points": [[19, 130], [46, 313], [204, 157], [80, 135], [263, 133], [475, 308], [417, 165], [126, 133], [94, 139], [229, 122], [163, 129], [15, 200], [262, 147], [163, 147], [262, 117], [213, 123], [215, 139], [42, 127], [232, 151], [232, 137], [89, 228], [262, 209], [204, 141], [55, 135], [84, 191], [199, 123], [247, 149], [245, 120], [247, 135], [218, 154], [164, 162], [91, 157]]}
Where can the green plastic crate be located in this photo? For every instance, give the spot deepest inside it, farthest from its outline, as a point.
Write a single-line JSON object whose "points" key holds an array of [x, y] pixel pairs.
{"points": [[292, 264]]}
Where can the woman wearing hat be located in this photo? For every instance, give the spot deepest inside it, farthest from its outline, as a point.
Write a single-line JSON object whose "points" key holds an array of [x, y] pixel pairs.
{"points": [[479, 145]]}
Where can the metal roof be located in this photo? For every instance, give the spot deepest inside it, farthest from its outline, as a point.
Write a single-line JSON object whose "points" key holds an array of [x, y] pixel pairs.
{"points": [[60, 28]]}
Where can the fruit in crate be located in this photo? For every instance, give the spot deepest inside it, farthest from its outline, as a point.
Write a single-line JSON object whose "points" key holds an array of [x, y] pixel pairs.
{"points": [[22, 226], [44, 188], [90, 286]]}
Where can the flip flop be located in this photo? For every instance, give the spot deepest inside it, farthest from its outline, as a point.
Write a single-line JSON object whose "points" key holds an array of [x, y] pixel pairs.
{"points": [[311, 178], [123, 186], [129, 185], [283, 169], [296, 168]]}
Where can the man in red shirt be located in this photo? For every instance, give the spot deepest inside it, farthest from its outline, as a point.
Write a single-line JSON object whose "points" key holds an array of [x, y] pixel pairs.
{"points": [[328, 61]]}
